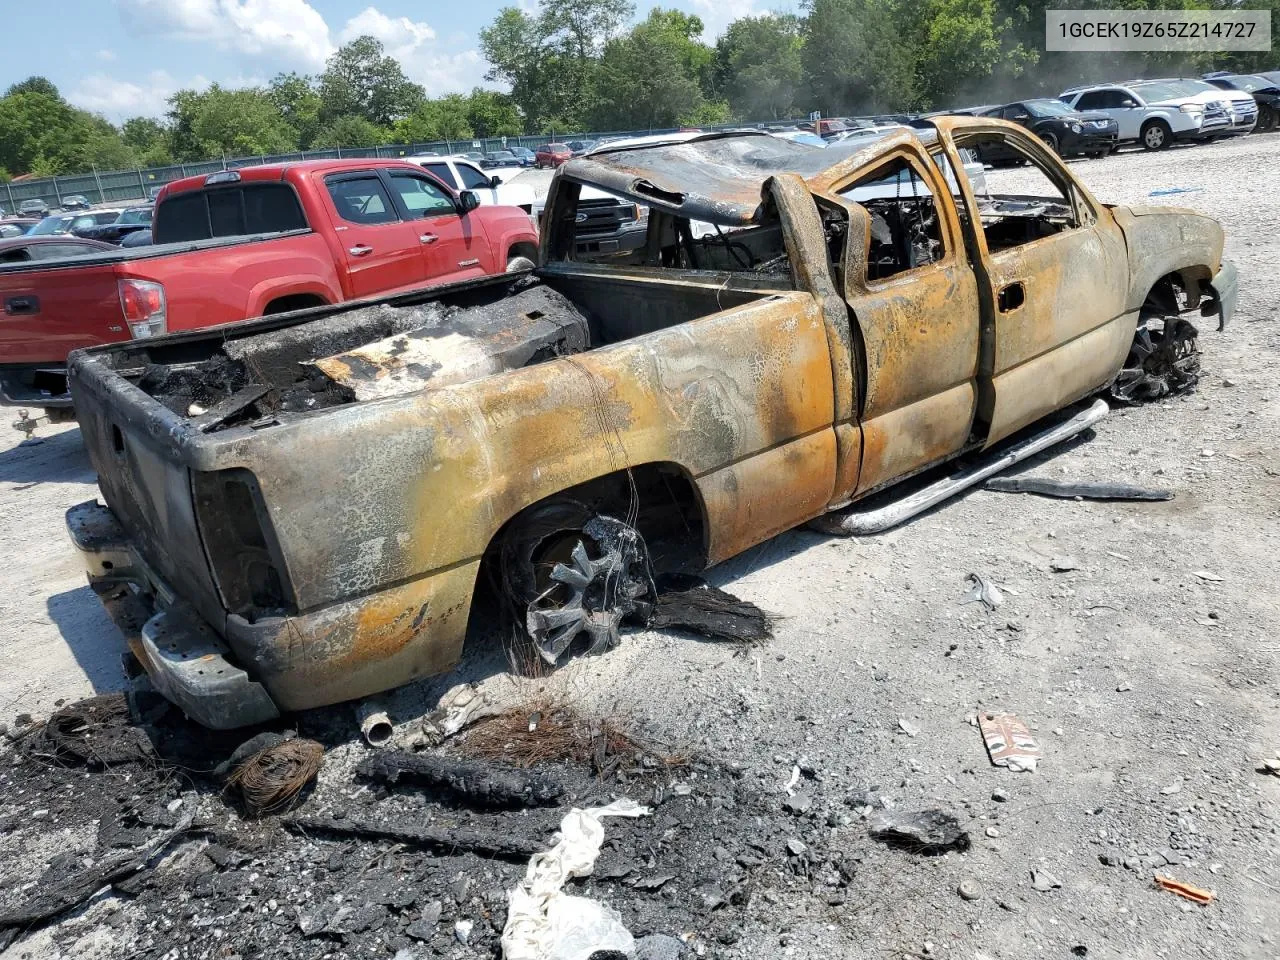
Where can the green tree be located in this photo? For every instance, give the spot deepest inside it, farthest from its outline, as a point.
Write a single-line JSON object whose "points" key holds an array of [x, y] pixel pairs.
{"points": [[149, 140], [656, 75], [361, 80], [856, 58], [233, 123], [960, 49], [442, 119], [759, 68], [40, 85], [492, 114], [295, 96], [550, 59], [350, 131], [42, 134]]}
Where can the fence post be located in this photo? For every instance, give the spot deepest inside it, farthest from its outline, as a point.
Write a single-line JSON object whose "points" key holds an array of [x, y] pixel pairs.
{"points": [[183, 168], [56, 192], [102, 197], [142, 185], [9, 190]]}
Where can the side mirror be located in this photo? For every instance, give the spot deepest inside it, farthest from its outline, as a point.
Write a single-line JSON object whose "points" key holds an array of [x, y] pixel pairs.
{"points": [[1022, 116], [467, 201], [495, 181], [1128, 104]]}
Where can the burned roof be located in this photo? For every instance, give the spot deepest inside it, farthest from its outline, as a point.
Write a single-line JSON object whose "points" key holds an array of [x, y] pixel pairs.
{"points": [[716, 178]]}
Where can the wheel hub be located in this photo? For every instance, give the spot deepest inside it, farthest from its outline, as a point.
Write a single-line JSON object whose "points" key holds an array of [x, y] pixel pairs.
{"points": [[590, 596]]}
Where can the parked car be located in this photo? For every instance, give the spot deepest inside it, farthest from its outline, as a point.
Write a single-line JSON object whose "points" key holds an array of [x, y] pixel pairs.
{"points": [[15, 228], [552, 154], [28, 249], [280, 556], [800, 136], [1064, 130], [75, 202], [245, 243], [154, 191], [1155, 113], [1264, 90], [33, 208], [71, 222], [826, 128], [490, 188], [580, 147], [498, 159], [130, 220], [142, 238], [526, 156]]}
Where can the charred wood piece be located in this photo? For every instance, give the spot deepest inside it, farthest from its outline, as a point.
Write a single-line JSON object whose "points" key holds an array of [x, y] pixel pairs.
{"points": [[1069, 489], [477, 784]]}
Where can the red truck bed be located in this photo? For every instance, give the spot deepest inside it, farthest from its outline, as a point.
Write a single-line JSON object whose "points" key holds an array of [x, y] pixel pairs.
{"points": [[336, 230]]}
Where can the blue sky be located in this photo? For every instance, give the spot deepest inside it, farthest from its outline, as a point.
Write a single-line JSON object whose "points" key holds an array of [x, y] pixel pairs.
{"points": [[123, 58]]}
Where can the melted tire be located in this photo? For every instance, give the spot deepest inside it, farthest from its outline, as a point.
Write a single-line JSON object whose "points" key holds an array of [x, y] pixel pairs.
{"points": [[1163, 361]]}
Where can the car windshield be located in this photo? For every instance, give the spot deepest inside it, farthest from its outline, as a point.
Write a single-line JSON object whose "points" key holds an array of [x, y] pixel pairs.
{"points": [[141, 215], [1249, 83], [50, 225], [501, 155], [1172, 89], [1048, 108]]}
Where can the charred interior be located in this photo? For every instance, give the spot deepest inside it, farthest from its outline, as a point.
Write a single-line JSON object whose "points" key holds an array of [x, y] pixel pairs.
{"points": [[393, 349], [1026, 201]]}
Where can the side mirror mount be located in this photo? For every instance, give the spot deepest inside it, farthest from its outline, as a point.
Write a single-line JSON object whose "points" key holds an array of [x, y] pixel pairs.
{"points": [[467, 201], [495, 181]]}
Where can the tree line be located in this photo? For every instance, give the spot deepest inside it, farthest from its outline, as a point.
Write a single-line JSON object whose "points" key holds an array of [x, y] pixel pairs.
{"points": [[577, 65]]}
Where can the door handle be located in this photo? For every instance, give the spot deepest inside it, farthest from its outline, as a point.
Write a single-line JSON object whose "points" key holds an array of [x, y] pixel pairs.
{"points": [[428, 238], [25, 306], [360, 250], [1011, 296]]}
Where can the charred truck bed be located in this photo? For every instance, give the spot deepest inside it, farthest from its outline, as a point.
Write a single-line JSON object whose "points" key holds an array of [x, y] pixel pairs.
{"points": [[376, 351]]}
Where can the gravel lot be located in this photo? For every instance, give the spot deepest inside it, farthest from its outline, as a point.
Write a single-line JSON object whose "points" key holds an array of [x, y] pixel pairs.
{"points": [[1148, 672]]}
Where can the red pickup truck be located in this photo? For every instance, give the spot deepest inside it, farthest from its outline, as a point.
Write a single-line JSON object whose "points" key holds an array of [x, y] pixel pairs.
{"points": [[247, 243]]}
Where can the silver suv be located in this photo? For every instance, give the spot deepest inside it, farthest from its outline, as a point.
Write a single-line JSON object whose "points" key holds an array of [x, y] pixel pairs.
{"points": [[1155, 113]]}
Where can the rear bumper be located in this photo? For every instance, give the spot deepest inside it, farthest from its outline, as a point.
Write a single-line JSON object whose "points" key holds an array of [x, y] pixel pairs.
{"points": [[188, 663], [1224, 288], [238, 672], [35, 385]]}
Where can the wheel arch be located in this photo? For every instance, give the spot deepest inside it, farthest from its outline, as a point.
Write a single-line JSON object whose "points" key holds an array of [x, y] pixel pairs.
{"points": [[672, 516]]}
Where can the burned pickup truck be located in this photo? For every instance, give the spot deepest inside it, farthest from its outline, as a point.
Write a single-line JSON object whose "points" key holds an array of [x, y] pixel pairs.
{"points": [[310, 507]]}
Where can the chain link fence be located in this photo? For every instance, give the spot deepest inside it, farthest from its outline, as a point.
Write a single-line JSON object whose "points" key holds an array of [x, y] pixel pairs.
{"points": [[119, 186]]}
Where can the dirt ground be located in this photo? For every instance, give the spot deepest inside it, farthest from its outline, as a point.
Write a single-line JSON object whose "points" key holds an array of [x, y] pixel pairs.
{"points": [[1147, 671]]}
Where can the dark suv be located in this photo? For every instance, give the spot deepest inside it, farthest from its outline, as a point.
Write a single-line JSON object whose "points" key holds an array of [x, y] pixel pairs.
{"points": [[1064, 130]]}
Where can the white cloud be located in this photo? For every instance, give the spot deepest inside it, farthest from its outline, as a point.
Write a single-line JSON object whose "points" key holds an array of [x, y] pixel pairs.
{"points": [[268, 36], [716, 15], [416, 46], [289, 32], [120, 99]]}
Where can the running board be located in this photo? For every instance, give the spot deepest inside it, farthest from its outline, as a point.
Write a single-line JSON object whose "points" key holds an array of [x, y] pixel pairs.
{"points": [[860, 523]]}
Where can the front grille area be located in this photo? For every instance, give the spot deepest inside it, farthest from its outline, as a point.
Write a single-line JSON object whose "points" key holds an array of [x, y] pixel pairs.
{"points": [[602, 216]]}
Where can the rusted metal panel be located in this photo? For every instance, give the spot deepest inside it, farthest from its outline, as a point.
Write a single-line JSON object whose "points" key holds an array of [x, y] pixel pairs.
{"points": [[701, 394], [1165, 240], [920, 333], [751, 501], [907, 438], [716, 178], [1060, 376], [363, 645]]}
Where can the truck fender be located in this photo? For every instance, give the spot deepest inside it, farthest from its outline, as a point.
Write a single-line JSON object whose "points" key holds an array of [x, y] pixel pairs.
{"points": [[263, 294]]}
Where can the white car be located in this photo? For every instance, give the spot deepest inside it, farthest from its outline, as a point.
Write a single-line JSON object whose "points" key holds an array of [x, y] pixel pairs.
{"points": [[1155, 113], [492, 189]]}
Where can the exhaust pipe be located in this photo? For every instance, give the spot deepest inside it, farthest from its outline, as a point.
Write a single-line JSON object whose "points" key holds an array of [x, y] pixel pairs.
{"points": [[375, 724], [861, 523]]}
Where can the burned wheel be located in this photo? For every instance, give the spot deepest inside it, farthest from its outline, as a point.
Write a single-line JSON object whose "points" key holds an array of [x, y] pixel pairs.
{"points": [[573, 576], [1164, 359]]}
